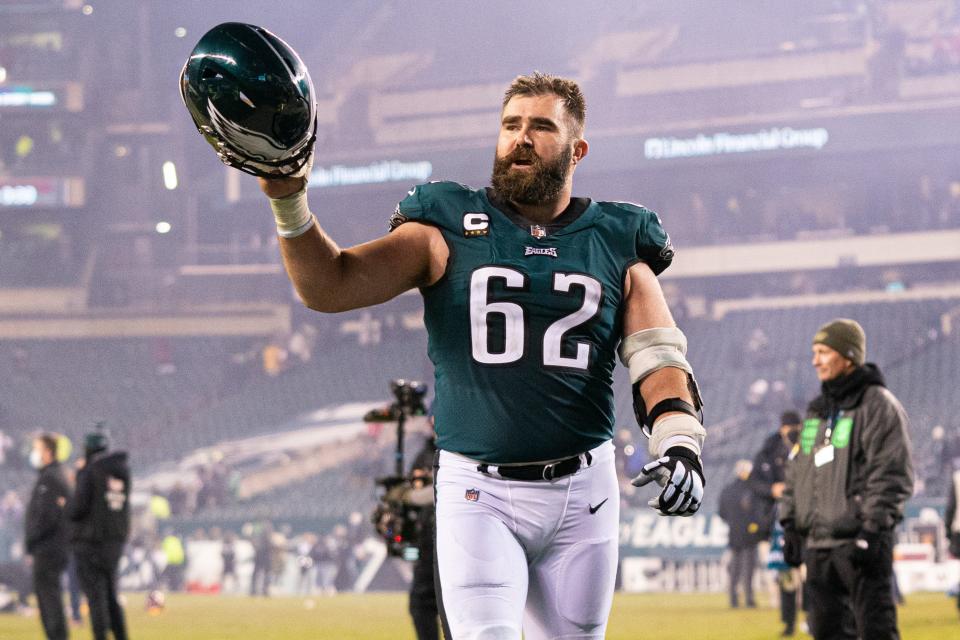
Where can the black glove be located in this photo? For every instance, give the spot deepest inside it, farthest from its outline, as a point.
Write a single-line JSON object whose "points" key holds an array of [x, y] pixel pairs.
{"points": [[680, 474], [792, 546], [868, 549]]}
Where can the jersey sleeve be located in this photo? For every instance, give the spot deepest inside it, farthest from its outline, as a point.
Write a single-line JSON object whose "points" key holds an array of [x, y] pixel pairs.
{"points": [[440, 204], [651, 244], [412, 207]]}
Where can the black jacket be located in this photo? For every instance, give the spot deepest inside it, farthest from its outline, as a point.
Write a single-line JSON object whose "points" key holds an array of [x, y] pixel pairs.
{"points": [[868, 478], [101, 506], [742, 512], [952, 515], [769, 467], [45, 521]]}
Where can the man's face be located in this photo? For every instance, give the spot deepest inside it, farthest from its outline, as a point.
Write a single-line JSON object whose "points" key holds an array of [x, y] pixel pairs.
{"points": [[790, 433], [828, 363], [42, 453], [535, 150]]}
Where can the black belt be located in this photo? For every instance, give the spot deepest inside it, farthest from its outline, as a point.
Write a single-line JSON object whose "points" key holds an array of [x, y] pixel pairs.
{"points": [[532, 472]]}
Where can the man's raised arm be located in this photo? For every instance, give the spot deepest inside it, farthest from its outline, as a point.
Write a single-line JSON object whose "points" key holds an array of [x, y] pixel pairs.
{"points": [[332, 279]]}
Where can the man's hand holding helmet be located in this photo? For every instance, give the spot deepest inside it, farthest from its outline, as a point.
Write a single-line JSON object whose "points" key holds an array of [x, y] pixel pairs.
{"points": [[251, 97]]}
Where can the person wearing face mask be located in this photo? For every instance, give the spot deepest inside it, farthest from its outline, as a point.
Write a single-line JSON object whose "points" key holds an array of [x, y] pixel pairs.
{"points": [[845, 489], [767, 482], [46, 534]]}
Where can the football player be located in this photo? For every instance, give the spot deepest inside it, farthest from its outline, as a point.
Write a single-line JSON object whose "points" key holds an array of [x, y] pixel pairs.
{"points": [[529, 293]]}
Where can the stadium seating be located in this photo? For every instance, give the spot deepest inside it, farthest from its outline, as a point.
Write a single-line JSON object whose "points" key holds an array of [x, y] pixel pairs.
{"points": [[34, 262], [321, 500], [174, 396], [67, 385]]}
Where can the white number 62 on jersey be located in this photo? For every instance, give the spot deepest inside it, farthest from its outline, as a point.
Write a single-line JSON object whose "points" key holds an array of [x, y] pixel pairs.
{"points": [[513, 316]]}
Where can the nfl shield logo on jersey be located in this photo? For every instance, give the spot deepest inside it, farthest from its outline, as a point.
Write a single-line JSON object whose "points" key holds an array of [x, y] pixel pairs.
{"points": [[472, 495], [537, 231]]}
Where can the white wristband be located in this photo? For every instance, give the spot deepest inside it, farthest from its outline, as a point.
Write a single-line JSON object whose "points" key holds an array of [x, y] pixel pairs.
{"points": [[292, 214]]}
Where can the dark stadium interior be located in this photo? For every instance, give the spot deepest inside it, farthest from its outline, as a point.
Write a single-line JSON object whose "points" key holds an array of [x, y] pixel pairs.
{"points": [[825, 133]]}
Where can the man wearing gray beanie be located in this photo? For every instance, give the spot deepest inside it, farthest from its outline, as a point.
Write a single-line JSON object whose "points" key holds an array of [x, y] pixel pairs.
{"points": [[846, 484]]}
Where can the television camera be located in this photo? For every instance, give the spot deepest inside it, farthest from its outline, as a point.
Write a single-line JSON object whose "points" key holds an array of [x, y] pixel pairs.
{"points": [[399, 511]]}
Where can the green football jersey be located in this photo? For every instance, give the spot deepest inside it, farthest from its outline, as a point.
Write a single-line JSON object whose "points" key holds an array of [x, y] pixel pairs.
{"points": [[523, 326]]}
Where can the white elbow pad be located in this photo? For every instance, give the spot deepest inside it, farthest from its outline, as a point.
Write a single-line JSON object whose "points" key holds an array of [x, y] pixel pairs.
{"points": [[650, 350]]}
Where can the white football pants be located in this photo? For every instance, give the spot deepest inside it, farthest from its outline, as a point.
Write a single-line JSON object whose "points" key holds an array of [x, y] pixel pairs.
{"points": [[539, 555]]}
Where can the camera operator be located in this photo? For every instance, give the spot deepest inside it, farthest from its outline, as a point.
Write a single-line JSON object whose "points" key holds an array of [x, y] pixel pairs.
{"points": [[406, 515], [423, 595]]}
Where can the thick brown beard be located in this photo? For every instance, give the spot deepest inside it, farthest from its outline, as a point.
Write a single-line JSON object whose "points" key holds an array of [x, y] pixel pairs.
{"points": [[540, 185]]}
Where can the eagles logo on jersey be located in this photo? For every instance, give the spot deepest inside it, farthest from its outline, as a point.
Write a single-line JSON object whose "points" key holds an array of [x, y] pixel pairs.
{"points": [[667, 252], [397, 219]]}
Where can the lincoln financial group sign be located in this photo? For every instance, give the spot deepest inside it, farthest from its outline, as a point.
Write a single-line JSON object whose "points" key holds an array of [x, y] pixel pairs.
{"points": [[374, 173], [722, 142]]}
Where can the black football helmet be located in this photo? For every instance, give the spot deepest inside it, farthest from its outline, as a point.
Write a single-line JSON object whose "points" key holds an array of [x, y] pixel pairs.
{"points": [[251, 97]]}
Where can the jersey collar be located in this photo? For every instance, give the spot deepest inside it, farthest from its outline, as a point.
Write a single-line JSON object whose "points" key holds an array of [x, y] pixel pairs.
{"points": [[578, 214]]}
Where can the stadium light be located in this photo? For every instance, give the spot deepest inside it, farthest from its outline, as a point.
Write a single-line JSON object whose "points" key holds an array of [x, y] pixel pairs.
{"points": [[26, 97], [24, 146], [87, 9], [170, 175], [163, 227], [180, 32], [3, 75]]}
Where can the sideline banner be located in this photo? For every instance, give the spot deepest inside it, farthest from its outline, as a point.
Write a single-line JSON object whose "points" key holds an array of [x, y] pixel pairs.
{"points": [[645, 533]]}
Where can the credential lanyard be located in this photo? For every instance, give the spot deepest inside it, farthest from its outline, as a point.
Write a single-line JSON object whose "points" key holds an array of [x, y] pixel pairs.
{"points": [[830, 425]]}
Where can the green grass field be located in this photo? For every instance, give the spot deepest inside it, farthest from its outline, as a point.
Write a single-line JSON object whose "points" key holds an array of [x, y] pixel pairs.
{"points": [[376, 616]]}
